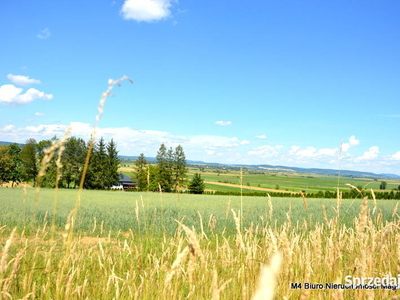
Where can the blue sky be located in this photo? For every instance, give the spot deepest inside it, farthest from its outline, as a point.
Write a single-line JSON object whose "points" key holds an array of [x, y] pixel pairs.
{"points": [[274, 82]]}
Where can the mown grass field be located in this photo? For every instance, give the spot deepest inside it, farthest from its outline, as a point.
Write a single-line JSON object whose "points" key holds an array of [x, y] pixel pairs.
{"points": [[150, 245]]}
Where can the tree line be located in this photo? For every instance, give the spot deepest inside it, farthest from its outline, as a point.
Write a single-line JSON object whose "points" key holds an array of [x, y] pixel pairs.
{"points": [[168, 174], [351, 194], [22, 164]]}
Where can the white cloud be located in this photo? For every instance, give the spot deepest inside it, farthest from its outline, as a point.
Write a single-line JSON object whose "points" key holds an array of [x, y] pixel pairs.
{"points": [[12, 95], [44, 34], [327, 152], [265, 151], [39, 114], [22, 80], [369, 155], [244, 142], [146, 10], [395, 156], [263, 136], [293, 150], [308, 152], [223, 123], [7, 128], [352, 142]]}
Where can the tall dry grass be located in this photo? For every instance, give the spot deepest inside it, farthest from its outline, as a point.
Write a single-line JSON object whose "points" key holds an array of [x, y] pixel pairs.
{"points": [[258, 262]]}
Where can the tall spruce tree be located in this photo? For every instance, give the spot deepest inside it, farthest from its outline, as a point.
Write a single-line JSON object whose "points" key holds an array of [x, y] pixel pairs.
{"points": [[99, 165], [113, 161], [164, 176], [180, 169]]}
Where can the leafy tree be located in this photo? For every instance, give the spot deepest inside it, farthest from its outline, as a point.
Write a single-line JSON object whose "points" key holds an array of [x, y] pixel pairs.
{"points": [[6, 164], [197, 185], [142, 173], [49, 178], [152, 178], [73, 160], [383, 185], [15, 174], [29, 161]]}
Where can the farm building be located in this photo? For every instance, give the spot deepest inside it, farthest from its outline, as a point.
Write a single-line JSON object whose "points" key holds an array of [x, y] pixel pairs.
{"points": [[124, 182]]}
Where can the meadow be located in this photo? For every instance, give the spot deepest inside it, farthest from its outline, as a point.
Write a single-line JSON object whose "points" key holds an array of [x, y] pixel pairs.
{"points": [[121, 245]]}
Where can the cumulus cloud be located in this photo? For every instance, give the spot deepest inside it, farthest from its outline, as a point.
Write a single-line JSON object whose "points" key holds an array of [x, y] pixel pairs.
{"points": [[263, 136], [395, 156], [351, 143], [22, 80], [265, 151], [12, 95], [293, 150], [223, 123], [44, 34], [7, 128], [368, 155], [327, 152], [310, 152], [244, 142], [146, 10]]}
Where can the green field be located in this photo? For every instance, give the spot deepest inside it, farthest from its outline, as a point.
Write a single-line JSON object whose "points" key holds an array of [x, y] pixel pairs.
{"points": [[118, 210]]}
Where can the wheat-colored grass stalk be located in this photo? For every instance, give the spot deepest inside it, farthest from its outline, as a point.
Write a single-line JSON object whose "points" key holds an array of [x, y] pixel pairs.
{"points": [[271, 208], [6, 248], [239, 237], [304, 200], [268, 279]]}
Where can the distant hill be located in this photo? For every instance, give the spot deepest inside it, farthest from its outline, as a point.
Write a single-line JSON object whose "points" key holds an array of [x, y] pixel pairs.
{"points": [[9, 143], [344, 173], [271, 168]]}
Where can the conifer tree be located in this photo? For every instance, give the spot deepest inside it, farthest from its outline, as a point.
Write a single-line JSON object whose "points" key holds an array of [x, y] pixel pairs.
{"points": [[164, 176], [180, 169], [197, 185], [113, 161], [141, 173]]}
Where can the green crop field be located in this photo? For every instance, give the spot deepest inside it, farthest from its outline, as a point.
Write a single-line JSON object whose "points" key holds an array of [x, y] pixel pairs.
{"points": [[131, 245], [119, 210]]}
